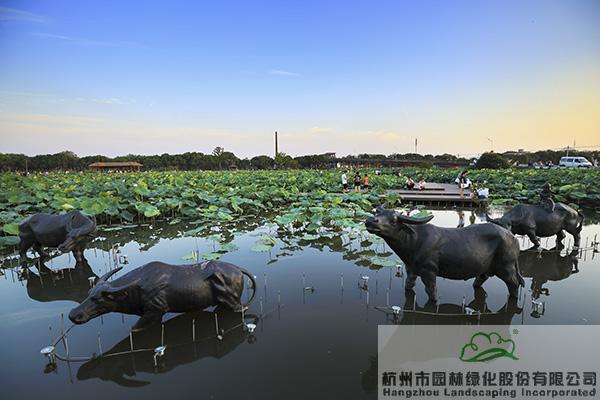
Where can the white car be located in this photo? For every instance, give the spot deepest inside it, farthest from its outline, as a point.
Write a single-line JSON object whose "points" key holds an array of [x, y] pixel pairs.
{"points": [[574, 162]]}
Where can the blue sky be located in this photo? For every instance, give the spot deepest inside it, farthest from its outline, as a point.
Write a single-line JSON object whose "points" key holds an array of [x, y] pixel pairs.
{"points": [[118, 77]]}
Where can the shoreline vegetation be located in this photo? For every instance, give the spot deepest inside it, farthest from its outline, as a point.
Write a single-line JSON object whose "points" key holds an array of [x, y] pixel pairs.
{"points": [[220, 159], [302, 200]]}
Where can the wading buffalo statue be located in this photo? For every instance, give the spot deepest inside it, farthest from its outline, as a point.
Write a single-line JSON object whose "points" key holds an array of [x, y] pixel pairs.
{"points": [[537, 221], [477, 251], [157, 288], [69, 232]]}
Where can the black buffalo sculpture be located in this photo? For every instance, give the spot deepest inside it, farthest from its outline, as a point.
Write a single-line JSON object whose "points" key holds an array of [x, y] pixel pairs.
{"points": [[157, 288], [477, 251], [68, 232], [537, 221]]}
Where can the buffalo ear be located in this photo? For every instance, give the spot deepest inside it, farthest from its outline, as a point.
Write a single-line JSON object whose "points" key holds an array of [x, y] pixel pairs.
{"points": [[407, 228], [114, 293]]}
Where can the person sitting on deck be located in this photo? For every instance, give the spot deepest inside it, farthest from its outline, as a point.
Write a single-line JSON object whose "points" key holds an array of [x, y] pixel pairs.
{"points": [[463, 182], [410, 184], [422, 184], [483, 193]]}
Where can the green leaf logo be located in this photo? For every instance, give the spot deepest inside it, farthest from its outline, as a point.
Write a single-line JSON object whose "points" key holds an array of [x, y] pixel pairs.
{"points": [[484, 347]]}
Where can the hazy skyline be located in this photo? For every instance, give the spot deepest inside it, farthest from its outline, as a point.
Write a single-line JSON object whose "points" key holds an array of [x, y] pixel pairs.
{"points": [[119, 77]]}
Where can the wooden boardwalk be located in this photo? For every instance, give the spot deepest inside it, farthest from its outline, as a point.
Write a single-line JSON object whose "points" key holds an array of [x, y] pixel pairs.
{"points": [[439, 194]]}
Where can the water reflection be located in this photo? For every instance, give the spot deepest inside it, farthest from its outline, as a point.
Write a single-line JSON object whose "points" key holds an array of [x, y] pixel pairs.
{"points": [[547, 265], [455, 314], [121, 366], [65, 284], [445, 314]]}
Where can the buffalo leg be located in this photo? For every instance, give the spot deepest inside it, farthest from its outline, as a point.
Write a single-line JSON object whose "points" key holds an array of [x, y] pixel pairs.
{"points": [[428, 279], [78, 254], [411, 279], [533, 238], [560, 236], [480, 280], [509, 275], [576, 236], [23, 247], [38, 248], [149, 318]]}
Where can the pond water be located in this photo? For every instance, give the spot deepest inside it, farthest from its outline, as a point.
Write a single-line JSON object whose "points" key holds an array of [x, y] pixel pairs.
{"points": [[317, 343]]}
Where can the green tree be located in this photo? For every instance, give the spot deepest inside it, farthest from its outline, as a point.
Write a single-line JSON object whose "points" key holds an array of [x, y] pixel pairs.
{"points": [[492, 160], [261, 162], [283, 161]]}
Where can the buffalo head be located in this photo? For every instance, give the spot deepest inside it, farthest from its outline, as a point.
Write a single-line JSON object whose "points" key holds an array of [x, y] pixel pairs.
{"points": [[388, 223], [102, 298], [504, 222], [80, 230]]}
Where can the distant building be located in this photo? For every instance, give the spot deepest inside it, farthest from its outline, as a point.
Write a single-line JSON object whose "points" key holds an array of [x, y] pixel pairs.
{"points": [[116, 166]]}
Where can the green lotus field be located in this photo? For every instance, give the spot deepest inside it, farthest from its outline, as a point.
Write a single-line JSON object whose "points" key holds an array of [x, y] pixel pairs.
{"points": [[309, 200]]}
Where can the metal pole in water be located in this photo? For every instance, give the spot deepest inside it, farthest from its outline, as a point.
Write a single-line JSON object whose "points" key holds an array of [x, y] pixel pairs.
{"points": [[415, 302], [193, 330], [66, 342], [162, 334], [265, 276], [131, 340], [62, 324], [367, 297], [462, 308], [99, 344], [387, 297], [261, 306], [279, 298], [303, 281], [342, 281], [217, 324]]}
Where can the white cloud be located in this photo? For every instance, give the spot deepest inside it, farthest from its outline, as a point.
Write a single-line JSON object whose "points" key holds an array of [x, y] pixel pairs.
{"points": [[12, 14], [107, 101], [388, 136], [282, 73], [319, 129], [87, 42]]}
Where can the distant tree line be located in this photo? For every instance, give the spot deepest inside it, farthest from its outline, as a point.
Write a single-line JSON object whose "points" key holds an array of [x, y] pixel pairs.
{"points": [[220, 159]]}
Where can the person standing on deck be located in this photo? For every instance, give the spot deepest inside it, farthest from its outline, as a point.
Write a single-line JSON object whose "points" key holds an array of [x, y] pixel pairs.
{"points": [[462, 182], [357, 180], [344, 182], [366, 182]]}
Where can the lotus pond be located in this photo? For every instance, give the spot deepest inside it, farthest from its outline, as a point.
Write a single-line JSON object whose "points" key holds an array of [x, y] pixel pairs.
{"points": [[309, 199], [316, 314]]}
